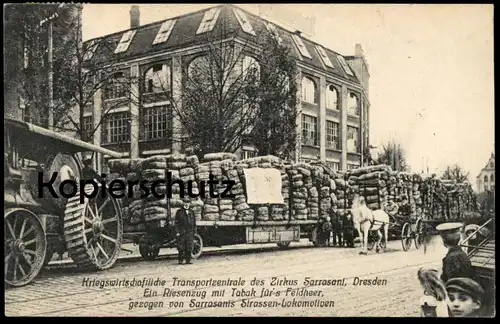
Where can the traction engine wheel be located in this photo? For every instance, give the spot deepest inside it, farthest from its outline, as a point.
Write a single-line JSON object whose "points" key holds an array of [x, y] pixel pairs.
{"points": [[406, 236], [197, 246], [93, 230], [25, 246]]}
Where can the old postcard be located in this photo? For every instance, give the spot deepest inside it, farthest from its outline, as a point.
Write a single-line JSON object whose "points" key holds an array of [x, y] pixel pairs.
{"points": [[306, 160]]}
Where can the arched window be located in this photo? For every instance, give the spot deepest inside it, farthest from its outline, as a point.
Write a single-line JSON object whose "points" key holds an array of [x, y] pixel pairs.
{"points": [[116, 87], [157, 79], [250, 64], [485, 179], [352, 104], [197, 67], [492, 178], [309, 90], [331, 97]]}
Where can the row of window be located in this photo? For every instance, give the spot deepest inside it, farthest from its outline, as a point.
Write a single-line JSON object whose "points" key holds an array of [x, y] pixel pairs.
{"points": [[156, 123], [310, 94], [157, 79], [310, 135]]}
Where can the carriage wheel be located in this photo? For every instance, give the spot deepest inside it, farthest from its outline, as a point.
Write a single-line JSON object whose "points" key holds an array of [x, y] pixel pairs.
{"points": [[406, 236], [25, 246], [371, 243], [197, 246], [149, 252], [283, 245], [93, 231], [419, 235]]}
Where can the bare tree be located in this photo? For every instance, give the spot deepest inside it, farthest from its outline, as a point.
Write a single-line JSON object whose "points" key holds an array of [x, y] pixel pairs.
{"points": [[231, 94], [275, 128], [455, 172], [394, 155]]}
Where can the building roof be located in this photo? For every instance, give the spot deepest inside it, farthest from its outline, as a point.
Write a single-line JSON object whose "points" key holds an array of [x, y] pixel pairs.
{"points": [[184, 34], [490, 166]]}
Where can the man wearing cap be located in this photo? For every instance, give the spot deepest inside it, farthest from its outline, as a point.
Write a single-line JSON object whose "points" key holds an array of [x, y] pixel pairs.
{"points": [[185, 228], [456, 263], [465, 297]]}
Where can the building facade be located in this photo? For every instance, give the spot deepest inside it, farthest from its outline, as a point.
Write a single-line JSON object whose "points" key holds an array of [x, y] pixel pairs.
{"points": [[485, 181], [333, 89]]}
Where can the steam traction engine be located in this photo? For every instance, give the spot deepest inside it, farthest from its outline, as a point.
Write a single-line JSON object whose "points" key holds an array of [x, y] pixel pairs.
{"points": [[37, 227]]}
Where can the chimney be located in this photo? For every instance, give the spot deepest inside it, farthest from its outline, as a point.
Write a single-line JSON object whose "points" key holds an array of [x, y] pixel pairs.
{"points": [[135, 17]]}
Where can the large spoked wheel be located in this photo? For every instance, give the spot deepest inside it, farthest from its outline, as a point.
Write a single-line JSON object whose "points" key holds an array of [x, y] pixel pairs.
{"points": [[406, 236], [93, 231], [197, 246], [419, 233], [25, 246]]}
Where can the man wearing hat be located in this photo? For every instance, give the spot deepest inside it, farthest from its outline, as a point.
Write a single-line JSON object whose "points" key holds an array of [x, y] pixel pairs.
{"points": [[88, 173], [465, 297], [456, 263], [404, 208], [185, 228]]}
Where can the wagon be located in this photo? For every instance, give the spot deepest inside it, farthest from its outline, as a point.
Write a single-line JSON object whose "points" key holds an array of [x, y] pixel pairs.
{"points": [[408, 229], [38, 224]]}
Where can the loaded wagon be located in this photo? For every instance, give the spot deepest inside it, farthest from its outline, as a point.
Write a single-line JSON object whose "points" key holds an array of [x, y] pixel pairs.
{"points": [[260, 208], [219, 232], [38, 223]]}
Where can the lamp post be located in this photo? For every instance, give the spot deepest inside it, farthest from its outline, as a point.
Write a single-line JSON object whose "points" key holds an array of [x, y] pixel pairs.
{"points": [[50, 20]]}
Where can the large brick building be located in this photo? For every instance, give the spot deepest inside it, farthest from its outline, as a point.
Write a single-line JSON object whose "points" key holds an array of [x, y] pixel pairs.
{"points": [[333, 88]]}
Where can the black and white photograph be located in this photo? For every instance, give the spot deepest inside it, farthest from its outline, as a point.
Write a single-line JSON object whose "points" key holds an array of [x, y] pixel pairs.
{"points": [[249, 160]]}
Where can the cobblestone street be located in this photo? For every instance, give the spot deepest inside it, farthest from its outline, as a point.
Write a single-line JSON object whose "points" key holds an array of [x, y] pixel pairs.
{"points": [[59, 293]]}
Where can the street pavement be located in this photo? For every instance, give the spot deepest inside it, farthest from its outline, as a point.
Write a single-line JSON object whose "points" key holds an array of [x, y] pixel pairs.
{"points": [[63, 292]]}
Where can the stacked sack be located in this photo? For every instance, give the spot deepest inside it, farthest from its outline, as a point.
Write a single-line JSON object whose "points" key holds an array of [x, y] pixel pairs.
{"points": [[154, 210], [300, 175], [132, 207], [219, 165], [343, 194], [273, 212], [370, 182]]}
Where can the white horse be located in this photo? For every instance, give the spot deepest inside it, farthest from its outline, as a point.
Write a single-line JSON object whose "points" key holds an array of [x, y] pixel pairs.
{"points": [[366, 220]]}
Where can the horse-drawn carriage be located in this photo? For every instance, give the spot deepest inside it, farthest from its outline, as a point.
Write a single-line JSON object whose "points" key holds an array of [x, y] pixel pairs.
{"points": [[408, 228], [39, 222], [382, 223]]}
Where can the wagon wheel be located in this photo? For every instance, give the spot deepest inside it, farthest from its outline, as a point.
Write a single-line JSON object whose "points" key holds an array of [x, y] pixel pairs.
{"points": [[149, 251], [93, 230], [406, 236], [25, 246], [419, 233], [197, 246]]}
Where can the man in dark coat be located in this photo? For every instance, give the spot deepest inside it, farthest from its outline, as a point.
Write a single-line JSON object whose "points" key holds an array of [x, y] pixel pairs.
{"points": [[185, 228], [456, 263], [349, 231]]}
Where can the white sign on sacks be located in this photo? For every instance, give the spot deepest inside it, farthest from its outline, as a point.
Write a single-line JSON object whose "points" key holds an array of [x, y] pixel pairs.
{"points": [[263, 186]]}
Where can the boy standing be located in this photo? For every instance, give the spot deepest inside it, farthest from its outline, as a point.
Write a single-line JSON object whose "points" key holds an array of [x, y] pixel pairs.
{"points": [[465, 297], [456, 263]]}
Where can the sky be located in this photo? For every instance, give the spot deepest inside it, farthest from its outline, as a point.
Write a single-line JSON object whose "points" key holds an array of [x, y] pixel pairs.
{"points": [[431, 68]]}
